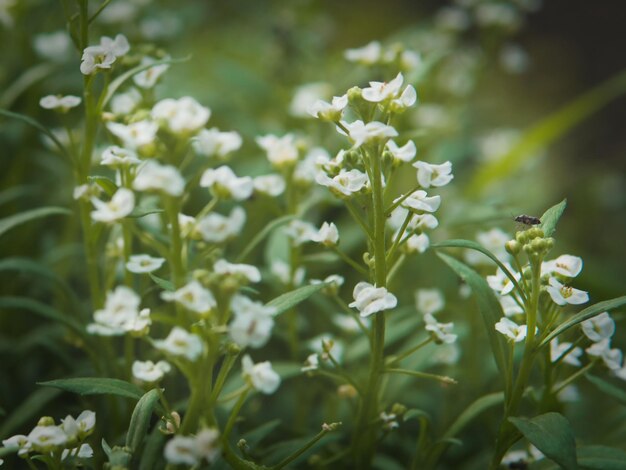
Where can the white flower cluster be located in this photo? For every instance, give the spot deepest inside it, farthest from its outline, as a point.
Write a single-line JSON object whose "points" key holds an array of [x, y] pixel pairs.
{"points": [[429, 302], [48, 438], [121, 315], [102, 56], [600, 329]]}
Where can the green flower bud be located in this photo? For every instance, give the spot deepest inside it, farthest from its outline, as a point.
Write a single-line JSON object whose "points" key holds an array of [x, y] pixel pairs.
{"points": [[513, 247], [521, 237], [398, 409], [46, 421]]}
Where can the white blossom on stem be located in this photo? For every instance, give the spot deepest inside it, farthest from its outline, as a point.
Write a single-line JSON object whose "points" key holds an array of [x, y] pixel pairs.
{"points": [[162, 178], [562, 295], [429, 174], [119, 206], [261, 375], [181, 343], [369, 299]]}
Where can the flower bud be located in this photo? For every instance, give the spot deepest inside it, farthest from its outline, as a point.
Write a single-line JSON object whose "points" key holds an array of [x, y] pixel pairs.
{"points": [[354, 94], [521, 237], [45, 421], [346, 391], [398, 409], [513, 247]]}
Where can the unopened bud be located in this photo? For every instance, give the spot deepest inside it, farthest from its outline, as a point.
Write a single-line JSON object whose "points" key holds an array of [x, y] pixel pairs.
{"points": [[346, 391], [513, 247], [45, 421]]}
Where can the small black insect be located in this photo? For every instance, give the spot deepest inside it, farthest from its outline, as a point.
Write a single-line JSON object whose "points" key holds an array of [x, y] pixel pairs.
{"points": [[527, 220]]}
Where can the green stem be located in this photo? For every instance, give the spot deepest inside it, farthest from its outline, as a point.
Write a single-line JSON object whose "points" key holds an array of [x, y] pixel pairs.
{"points": [[572, 378], [422, 375], [350, 261], [283, 463], [408, 353], [171, 209]]}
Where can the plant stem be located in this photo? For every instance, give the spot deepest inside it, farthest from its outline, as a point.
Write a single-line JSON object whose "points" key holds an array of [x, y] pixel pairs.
{"points": [[283, 463], [422, 375]]}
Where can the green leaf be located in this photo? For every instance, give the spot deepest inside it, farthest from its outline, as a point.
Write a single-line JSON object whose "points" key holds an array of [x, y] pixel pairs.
{"points": [[119, 81], [547, 131], [140, 420], [259, 237], [601, 458], [14, 220], [163, 283], [472, 411], [16, 192], [551, 217], [30, 121], [488, 305], [471, 245], [96, 386], [139, 212], [552, 435], [42, 310], [291, 299], [27, 265], [24, 81], [618, 393], [583, 315], [152, 451], [27, 411], [107, 184]]}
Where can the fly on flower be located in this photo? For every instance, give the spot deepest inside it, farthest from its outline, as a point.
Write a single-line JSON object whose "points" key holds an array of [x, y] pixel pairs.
{"points": [[527, 220]]}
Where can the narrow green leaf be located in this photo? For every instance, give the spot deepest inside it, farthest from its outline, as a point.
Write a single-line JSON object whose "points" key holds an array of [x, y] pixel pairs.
{"points": [[107, 184], [27, 411], [547, 131], [618, 393], [601, 458], [488, 305], [259, 237], [30, 121], [29, 266], [153, 450], [16, 192], [42, 310], [140, 420], [291, 299], [24, 81], [552, 435], [163, 283], [551, 217], [471, 245], [14, 220], [119, 81], [583, 315], [139, 212], [96, 386], [472, 411]]}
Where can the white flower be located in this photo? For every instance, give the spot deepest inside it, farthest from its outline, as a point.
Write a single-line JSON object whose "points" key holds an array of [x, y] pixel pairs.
{"points": [[225, 184], [329, 111], [281, 151], [121, 204], [181, 343], [46, 438], [84, 452], [369, 299], [182, 116], [429, 301], [217, 228], [501, 283], [361, 133], [599, 327], [565, 265], [420, 201], [510, 307], [208, 444], [20, 442], [511, 330], [103, 56], [558, 349], [389, 421], [181, 450], [327, 235], [69, 427], [156, 177], [55, 46], [187, 224], [405, 100], [117, 157], [282, 271], [406, 153], [417, 243], [149, 372], [261, 375], [123, 104], [433, 175], [86, 422], [446, 353], [326, 345], [62, 103], [147, 78], [381, 91], [224, 268], [562, 295], [494, 240], [346, 183], [612, 357], [139, 264], [271, 185], [424, 221], [441, 332], [212, 142], [134, 135], [305, 95], [253, 322], [369, 54], [308, 168], [120, 314], [193, 296], [300, 232], [312, 363]]}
